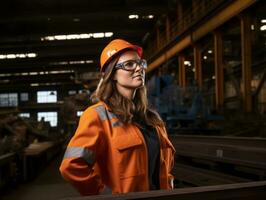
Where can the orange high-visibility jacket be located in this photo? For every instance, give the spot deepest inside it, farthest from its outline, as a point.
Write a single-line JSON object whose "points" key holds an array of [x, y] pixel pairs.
{"points": [[104, 152]]}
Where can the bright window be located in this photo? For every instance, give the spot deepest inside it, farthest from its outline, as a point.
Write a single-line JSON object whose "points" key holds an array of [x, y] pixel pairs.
{"points": [[47, 96], [8, 99], [24, 96], [48, 117]]}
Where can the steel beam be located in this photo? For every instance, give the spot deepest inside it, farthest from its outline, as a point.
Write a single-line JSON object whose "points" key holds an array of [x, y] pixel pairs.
{"points": [[170, 53], [221, 17], [230, 11]]}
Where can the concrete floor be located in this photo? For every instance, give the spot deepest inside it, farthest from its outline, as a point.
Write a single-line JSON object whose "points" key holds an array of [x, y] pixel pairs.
{"points": [[49, 185]]}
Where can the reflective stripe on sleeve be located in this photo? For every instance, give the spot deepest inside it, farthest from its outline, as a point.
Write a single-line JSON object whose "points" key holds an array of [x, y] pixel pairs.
{"points": [[107, 115], [104, 114], [101, 112], [80, 152]]}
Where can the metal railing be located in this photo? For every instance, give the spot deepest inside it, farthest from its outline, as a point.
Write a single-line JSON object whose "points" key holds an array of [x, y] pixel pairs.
{"points": [[251, 190], [189, 17]]}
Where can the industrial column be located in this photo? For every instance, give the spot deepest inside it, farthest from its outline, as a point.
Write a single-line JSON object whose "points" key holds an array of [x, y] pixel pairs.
{"points": [[198, 65], [157, 37], [219, 73], [246, 61], [167, 29], [182, 72], [180, 17]]}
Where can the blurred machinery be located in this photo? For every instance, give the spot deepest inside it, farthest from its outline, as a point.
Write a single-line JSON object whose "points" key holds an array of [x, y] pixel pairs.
{"points": [[16, 135], [72, 108], [185, 110]]}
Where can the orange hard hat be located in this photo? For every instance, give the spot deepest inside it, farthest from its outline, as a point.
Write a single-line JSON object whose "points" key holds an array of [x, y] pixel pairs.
{"points": [[114, 48]]}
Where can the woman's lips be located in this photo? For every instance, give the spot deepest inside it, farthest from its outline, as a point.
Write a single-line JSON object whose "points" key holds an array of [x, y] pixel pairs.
{"points": [[138, 76]]}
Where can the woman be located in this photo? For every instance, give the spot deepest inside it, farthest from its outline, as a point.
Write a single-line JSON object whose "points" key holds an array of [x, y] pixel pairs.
{"points": [[120, 143]]}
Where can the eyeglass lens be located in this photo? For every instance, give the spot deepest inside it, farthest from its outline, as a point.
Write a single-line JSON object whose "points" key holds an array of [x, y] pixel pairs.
{"points": [[132, 64]]}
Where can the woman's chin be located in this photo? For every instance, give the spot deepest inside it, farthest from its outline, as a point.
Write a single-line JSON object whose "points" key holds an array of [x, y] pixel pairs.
{"points": [[138, 85], [141, 84]]}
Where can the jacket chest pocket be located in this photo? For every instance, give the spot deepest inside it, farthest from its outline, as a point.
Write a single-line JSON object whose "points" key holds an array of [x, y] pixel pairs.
{"points": [[129, 155]]}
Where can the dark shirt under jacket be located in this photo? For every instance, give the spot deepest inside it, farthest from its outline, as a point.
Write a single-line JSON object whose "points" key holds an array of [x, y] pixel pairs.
{"points": [[153, 146]]}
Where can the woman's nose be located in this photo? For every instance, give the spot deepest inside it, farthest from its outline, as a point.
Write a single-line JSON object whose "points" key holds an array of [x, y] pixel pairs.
{"points": [[139, 68]]}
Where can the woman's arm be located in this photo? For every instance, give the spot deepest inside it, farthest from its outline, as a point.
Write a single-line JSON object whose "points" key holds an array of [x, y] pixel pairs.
{"points": [[79, 165]]}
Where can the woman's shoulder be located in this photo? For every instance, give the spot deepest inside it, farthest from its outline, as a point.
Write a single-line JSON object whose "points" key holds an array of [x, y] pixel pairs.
{"points": [[96, 108]]}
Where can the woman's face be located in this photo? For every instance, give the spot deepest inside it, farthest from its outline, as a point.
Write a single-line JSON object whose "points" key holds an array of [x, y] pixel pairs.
{"points": [[129, 79]]}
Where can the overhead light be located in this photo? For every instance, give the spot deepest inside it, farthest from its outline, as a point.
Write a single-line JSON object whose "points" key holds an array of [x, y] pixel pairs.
{"points": [[34, 84], [263, 20], [187, 62], [10, 56], [31, 55], [59, 63], [148, 17], [89, 61], [85, 35], [252, 27], [77, 36], [4, 81], [37, 73], [108, 34], [76, 62], [98, 35], [133, 16], [210, 51], [44, 84], [263, 28], [50, 38], [13, 56], [21, 55], [205, 57], [61, 72], [4, 75], [60, 37], [73, 62], [76, 20]]}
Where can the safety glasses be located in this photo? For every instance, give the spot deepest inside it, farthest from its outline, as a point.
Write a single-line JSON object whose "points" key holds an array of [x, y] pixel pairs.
{"points": [[131, 65]]}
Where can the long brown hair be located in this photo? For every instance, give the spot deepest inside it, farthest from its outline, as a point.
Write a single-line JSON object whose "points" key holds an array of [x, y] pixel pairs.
{"points": [[125, 109]]}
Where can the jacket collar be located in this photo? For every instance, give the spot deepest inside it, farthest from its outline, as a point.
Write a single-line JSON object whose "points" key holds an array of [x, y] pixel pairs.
{"points": [[105, 105]]}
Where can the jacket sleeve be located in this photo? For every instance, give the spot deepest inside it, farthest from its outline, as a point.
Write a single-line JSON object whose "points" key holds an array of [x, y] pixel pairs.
{"points": [[79, 165]]}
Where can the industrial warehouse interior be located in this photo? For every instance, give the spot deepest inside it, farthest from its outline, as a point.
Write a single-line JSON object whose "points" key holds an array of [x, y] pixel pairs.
{"points": [[206, 77]]}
